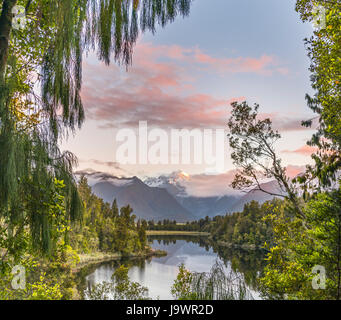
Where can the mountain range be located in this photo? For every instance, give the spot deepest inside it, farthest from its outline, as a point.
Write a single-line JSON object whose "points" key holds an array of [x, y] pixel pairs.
{"points": [[167, 197]]}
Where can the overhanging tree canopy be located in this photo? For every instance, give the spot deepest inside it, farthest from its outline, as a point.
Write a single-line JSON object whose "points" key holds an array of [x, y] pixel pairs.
{"points": [[40, 84]]}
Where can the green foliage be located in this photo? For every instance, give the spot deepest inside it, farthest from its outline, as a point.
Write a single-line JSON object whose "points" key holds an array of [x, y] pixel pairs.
{"points": [[125, 289], [302, 244], [46, 278], [218, 284], [30, 158], [40, 103], [48, 275], [182, 287], [104, 228], [248, 263], [48, 226], [240, 229], [314, 238], [141, 230], [40, 290], [246, 228], [121, 288], [201, 225], [306, 229], [324, 52]]}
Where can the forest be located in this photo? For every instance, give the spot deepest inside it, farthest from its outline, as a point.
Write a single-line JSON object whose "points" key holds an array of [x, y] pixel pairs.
{"points": [[247, 228], [48, 219]]}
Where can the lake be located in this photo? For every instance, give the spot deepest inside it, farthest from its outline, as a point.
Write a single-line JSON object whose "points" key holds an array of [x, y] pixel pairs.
{"points": [[158, 274]]}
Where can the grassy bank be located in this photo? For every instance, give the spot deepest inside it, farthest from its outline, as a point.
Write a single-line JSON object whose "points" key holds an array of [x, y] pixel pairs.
{"points": [[175, 233], [98, 257], [95, 257]]}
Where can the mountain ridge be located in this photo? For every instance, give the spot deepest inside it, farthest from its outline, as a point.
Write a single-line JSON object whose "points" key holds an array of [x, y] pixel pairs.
{"points": [[165, 197]]}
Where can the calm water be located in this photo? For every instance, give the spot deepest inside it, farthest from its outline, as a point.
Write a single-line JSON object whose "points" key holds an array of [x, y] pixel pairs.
{"points": [[158, 274]]}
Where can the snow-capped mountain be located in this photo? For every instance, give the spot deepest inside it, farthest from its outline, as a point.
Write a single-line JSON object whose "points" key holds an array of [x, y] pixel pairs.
{"points": [[171, 196], [200, 206], [173, 183], [148, 202]]}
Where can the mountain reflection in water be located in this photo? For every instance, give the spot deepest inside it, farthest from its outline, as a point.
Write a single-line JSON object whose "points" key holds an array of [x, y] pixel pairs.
{"points": [[197, 254]]}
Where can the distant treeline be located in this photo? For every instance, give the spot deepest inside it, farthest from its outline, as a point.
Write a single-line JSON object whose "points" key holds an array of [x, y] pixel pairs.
{"points": [[247, 227], [172, 225]]}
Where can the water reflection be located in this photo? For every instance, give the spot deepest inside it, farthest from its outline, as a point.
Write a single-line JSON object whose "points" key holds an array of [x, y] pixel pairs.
{"points": [[198, 254]]}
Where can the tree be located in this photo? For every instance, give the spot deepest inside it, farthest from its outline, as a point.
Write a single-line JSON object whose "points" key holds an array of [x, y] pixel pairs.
{"points": [[214, 285], [311, 236], [306, 233], [48, 277], [104, 231], [324, 52], [121, 288], [299, 248], [141, 230], [182, 286], [122, 231], [252, 142], [114, 209], [47, 54], [302, 244]]}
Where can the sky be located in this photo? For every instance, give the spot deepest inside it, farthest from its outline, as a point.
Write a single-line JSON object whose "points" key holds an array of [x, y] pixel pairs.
{"points": [[186, 75]]}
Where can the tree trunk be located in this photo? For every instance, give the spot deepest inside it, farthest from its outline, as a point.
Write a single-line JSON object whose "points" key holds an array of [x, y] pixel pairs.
{"points": [[5, 30]]}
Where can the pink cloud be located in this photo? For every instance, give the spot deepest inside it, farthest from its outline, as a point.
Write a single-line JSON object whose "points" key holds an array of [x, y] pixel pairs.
{"points": [[204, 58], [202, 185], [292, 171], [163, 81], [151, 90], [304, 150], [158, 88], [264, 65]]}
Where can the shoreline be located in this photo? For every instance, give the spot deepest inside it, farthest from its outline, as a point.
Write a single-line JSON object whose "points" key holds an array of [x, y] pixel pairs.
{"points": [[99, 257], [220, 243], [176, 233]]}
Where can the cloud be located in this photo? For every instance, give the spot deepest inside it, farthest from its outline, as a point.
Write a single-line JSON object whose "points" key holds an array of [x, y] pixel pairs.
{"points": [[160, 88], [143, 95], [114, 166], [292, 170], [304, 150], [109, 164], [203, 185], [264, 65], [197, 185]]}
